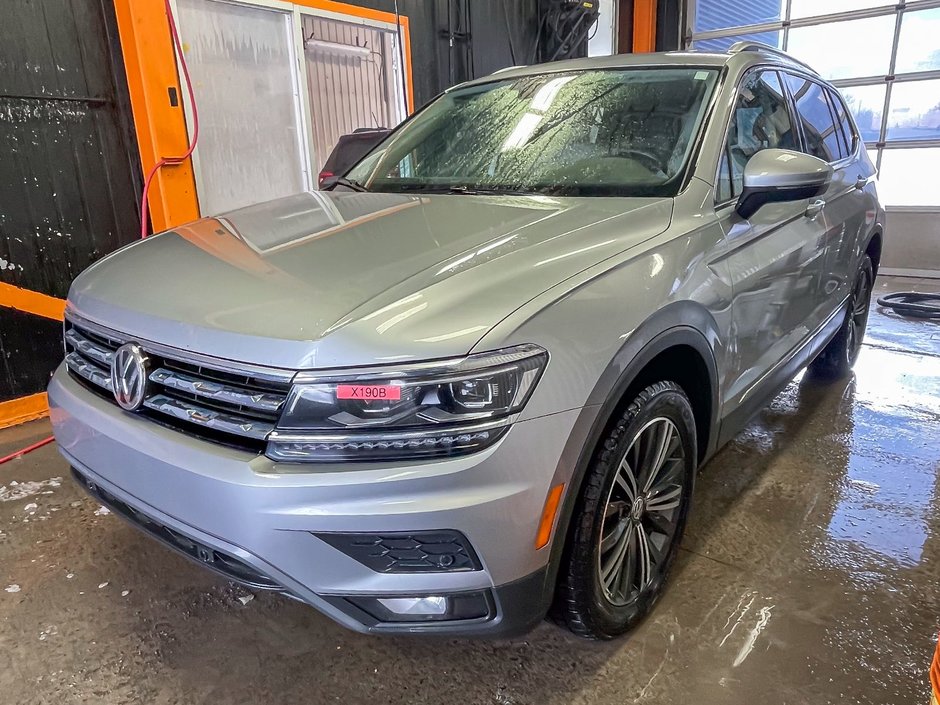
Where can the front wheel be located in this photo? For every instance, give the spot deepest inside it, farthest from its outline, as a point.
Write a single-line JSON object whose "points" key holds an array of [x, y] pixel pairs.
{"points": [[837, 358], [630, 516]]}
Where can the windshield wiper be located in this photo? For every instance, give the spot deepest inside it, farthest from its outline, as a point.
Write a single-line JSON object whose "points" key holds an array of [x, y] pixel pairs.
{"points": [[462, 190], [348, 183]]}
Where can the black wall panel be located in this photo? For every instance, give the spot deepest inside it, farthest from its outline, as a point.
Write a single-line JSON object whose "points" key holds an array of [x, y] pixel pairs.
{"points": [[69, 177], [30, 348], [488, 35]]}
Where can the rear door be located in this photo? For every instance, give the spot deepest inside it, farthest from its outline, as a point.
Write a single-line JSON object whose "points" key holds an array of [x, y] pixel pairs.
{"points": [[775, 258], [822, 116]]}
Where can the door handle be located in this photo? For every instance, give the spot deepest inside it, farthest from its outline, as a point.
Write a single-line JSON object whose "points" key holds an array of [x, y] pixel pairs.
{"points": [[814, 208], [861, 182]]}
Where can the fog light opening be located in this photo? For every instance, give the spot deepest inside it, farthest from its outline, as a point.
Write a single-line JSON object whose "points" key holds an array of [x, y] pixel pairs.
{"points": [[429, 606]]}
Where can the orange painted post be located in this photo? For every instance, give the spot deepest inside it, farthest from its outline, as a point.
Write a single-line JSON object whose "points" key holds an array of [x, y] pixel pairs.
{"points": [[31, 302], [644, 26], [935, 676], [17, 411], [150, 65]]}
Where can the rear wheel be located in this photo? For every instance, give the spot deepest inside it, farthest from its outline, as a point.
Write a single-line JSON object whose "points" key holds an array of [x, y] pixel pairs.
{"points": [[630, 517], [837, 358]]}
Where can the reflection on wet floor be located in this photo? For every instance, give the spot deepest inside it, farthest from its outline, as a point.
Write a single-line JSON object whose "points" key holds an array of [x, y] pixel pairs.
{"points": [[810, 574], [890, 489]]}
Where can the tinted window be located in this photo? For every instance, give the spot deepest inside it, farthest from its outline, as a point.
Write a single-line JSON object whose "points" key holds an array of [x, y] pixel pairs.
{"points": [[819, 130], [761, 120], [842, 117]]}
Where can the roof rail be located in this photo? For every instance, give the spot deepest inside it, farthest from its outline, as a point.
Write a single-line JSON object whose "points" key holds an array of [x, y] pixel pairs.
{"points": [[748, 45]]}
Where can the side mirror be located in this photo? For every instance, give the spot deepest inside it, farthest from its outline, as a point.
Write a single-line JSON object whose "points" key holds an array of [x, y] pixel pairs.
{"points": [[776, 175]]}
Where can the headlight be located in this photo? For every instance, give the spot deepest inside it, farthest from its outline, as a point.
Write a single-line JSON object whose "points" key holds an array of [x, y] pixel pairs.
{"points": [[416, 411]]}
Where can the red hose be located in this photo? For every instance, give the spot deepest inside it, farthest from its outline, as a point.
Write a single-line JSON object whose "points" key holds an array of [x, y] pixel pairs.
{"points": [[27, 449], [171, 161]]}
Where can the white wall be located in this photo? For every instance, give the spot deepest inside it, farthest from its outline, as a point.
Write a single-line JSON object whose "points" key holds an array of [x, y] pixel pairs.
{"points": [[912, 242]]}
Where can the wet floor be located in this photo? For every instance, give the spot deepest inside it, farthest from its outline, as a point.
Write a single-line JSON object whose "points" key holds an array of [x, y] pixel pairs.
{"points": [[811, 574]]}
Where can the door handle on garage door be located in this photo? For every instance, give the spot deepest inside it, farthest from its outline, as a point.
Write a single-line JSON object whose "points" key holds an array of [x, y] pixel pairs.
{"points": [[814, 208]]}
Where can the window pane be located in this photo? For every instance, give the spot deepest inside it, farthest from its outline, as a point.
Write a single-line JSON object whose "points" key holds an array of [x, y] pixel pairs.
{"points": [[722, 43], [917, 45], [839, 132], [811, 8], [243, 68], [914, 113], [845, 49], [761, 120], [719, 14], [818, 127], [906, 177], [867, 104], [842, 117]]}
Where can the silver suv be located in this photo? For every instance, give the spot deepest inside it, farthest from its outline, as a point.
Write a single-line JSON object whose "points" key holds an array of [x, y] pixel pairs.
{"points": [[471, 384]]}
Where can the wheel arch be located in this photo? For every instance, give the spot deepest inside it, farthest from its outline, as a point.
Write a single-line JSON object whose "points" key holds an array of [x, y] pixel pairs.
{"points": [[685, 327]]}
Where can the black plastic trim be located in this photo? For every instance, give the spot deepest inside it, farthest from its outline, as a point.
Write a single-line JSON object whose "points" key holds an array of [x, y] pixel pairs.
{"points": [[516, 609], [440, 551], [218, 561]]}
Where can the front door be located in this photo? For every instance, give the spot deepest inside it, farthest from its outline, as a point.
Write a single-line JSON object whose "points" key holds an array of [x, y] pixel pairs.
{"points": [[775, 258], [828, 134]]}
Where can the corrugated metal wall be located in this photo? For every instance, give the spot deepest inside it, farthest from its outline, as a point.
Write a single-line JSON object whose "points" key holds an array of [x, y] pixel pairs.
{"points": [[351, 70], [68, 172]]}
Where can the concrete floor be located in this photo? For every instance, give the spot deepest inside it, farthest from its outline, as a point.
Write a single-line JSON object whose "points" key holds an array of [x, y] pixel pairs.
{"points": [[811, 574]]}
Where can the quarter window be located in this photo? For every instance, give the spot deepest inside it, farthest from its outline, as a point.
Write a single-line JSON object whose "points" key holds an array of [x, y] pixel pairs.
{"points": [[842, 115], [761, 120], [820, 135]]}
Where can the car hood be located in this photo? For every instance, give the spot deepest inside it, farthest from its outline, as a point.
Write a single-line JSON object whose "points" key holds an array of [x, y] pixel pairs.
{"points": [[334, 279]]}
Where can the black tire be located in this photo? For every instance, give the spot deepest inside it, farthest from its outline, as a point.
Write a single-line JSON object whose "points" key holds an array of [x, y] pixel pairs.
{"points": [[587, 603], [835, 361]]}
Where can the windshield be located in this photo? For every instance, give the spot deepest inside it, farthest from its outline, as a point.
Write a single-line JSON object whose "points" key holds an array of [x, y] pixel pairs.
{"points": [[624, 132]]}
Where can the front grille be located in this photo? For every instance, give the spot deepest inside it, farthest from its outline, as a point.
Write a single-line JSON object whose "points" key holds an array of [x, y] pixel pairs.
{"points": [[212, 400], [219, 561]]}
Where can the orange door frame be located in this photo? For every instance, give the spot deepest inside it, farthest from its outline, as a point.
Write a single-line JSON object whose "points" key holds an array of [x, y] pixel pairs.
{"points": [[34, 406], [150, 64]]}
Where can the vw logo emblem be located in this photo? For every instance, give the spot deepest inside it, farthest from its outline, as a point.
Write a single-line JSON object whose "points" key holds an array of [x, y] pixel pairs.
{"points": [[130, 376]]}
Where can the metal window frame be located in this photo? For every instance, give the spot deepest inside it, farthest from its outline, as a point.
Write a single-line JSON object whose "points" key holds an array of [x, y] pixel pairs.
{"points": [[787, 22]]}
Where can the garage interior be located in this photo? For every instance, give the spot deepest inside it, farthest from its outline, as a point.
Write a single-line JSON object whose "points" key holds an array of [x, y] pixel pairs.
{"points": [[810, 570]]}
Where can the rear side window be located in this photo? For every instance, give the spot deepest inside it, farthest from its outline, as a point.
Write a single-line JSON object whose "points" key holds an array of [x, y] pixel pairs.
{"points": [[821, 136], [842, 118], [761, 120]]}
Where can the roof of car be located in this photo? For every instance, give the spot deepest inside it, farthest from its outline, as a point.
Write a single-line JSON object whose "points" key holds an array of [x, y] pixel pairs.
{"points": [[740, 55]]}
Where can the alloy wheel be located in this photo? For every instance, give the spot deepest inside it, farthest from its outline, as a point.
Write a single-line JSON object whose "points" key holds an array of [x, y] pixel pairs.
{"points": [[642, 513]]}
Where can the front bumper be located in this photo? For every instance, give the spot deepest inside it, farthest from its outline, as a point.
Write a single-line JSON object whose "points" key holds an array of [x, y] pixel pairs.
{"points": [[259, 517]]}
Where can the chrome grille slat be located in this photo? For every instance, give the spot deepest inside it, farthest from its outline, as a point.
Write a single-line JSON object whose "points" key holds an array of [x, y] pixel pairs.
{"points": [[89, 349], [210, 418], [88, 371], [214, 400], [260, 401]]}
